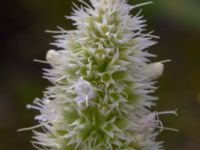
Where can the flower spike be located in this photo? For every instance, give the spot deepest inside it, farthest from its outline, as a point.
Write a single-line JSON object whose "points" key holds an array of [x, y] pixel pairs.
{"points": [[102, 80]]}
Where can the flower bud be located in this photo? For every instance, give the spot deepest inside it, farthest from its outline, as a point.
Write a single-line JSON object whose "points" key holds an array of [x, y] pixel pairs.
{"points": [[155, 70], [52, 57]]}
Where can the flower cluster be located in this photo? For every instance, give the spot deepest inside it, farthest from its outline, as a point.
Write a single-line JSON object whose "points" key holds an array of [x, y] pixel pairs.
{"points": [[102, 79]]}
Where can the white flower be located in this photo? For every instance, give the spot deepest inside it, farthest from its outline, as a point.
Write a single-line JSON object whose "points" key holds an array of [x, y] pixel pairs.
{"points": [[48, 109], [151, 121], [83, 90]]}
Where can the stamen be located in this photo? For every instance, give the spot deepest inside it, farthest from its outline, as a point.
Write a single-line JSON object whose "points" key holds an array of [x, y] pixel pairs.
{"points": [[30, 128], [141, 4], [32, 107], [168, 112], [41, 61]]}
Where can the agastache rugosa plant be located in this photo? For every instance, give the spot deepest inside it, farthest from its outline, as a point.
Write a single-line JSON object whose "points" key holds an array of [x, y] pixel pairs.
{"points": [[102, 80]]}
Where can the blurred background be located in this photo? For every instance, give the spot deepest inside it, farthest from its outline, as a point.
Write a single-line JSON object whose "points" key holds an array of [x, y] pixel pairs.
{"points": [[22, 39]]}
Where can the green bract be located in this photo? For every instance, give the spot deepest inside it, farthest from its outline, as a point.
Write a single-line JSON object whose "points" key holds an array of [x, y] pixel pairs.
{"points": [[102, 78]]}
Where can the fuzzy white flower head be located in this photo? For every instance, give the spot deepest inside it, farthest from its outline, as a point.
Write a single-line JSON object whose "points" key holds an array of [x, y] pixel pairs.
{"points": [[102, 80], [84, 90]]}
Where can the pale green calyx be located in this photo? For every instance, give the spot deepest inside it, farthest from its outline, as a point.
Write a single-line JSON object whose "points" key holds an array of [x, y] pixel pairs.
{"points": [[102, 79]]}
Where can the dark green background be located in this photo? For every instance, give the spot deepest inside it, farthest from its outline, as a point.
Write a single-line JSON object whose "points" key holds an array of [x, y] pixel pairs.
{"points": [[22, 39]]}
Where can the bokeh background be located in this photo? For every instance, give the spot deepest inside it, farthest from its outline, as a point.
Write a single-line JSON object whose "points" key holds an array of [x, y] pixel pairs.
{"points": [[22, 39]]}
